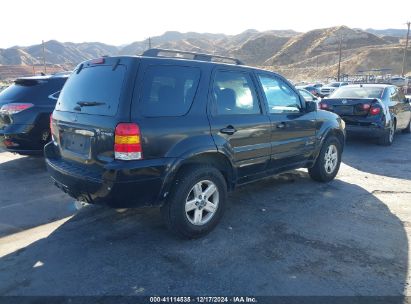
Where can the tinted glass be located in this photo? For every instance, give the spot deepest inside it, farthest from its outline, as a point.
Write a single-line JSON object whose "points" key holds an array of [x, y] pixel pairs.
{"points": [[169, 90], [280, 97], [306, 96], [98, 84], [33, 91], [358, 92], [234, 94]]}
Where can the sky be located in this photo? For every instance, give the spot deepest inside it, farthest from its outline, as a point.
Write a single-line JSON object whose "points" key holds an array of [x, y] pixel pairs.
{"points": [[119, 22]]}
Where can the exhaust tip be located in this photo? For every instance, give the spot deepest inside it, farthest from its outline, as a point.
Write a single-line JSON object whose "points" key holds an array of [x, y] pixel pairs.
{"points": [[80, 204]]}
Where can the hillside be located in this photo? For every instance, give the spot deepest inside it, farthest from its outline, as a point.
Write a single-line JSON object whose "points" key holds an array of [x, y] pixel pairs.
{"points": [[310, 54]]}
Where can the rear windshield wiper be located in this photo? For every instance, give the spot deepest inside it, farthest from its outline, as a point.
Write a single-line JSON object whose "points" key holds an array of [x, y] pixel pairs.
{"points": [[90, 103]]}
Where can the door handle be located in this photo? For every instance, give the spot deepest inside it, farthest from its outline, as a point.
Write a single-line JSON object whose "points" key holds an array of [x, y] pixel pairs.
{"points": [[230, 130], [281, 125]]}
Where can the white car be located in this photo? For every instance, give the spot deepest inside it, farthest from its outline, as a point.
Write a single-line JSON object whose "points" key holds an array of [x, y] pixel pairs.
{"points": [[331, 87]]}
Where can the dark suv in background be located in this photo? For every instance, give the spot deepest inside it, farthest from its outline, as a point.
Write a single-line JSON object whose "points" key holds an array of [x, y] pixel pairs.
{"points": [[25, 109], [179, 133]]}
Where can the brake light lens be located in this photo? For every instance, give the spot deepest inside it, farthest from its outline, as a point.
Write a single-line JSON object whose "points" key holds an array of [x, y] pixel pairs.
{"points": [[375, 110], [127, 142], [51, 127], [14, 108], [323, 106], [97, 61]]}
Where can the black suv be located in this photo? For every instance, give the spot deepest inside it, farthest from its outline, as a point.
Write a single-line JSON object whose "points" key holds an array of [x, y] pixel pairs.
{"points": [[179, 133], [25, 109]]}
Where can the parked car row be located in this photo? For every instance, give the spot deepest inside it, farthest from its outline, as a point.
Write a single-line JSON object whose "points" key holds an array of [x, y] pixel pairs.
{"points": [[158, 130]]}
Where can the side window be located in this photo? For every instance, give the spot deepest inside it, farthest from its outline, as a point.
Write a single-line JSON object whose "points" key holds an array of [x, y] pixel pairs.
{"points": [[234, 93], [401, 95], [280, 97], [394, 95], [306, 96], [168, 90]]}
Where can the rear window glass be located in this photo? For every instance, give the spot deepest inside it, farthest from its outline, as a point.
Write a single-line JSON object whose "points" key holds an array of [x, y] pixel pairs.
{"points": [[168, 90], [34, 91], [94, 90], [359, 92]]}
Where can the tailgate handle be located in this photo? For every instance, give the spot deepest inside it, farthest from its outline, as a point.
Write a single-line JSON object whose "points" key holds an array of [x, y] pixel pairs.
{"points": [[84, 132], [230, 130]]}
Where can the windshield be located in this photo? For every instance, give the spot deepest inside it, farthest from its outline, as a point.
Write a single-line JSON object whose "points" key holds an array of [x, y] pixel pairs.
{"points": [[358, 92], [94, 90], [334, 84]]}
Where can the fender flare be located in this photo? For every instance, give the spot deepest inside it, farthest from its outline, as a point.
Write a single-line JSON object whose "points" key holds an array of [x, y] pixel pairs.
{"points": [[188, 158]]}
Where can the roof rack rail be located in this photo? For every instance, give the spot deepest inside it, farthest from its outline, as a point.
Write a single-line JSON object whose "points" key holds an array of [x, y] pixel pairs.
{"points": [[195, 56]]}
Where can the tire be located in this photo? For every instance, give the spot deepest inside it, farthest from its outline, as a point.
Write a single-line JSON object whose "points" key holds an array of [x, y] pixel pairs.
{"points": [[388, 137], [182, 210], [326, 166], [407, 130]]}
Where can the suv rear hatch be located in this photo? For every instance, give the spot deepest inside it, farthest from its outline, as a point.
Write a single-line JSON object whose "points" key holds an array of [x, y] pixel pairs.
{"points": [[94, 100]]}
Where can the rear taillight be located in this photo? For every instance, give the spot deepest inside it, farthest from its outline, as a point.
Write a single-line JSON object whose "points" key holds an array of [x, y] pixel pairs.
{"points": [[97, 61], [51, 126], [127, 142], [375, 110], [323, 106], [14, 108]]}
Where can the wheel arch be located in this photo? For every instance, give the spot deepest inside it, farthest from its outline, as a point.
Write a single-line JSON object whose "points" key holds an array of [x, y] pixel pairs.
{"points": [[213, 158]]}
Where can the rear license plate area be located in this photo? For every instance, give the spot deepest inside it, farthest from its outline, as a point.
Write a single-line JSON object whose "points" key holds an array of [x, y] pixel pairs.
{"points": [[344, 110], [76, 143]]}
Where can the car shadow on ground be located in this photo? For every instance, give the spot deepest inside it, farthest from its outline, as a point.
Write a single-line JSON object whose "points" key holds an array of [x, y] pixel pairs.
{"points": [[28, 198], [393, 161], [281, 236]]}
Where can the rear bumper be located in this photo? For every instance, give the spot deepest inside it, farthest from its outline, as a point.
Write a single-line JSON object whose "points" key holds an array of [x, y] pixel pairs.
{"points": [[366, 131], [118, 184], [23, 139]]}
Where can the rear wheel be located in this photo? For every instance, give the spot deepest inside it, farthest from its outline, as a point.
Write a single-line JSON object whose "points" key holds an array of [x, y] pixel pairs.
{"points": [[388, 137], [328, 161], [196, 202]]}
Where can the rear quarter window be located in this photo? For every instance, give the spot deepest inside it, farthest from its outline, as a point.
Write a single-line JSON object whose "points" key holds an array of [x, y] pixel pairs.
{"points": [[168, 90], [98, 84]]}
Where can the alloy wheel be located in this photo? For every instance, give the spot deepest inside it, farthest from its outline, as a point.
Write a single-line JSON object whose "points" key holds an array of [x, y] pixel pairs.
{"points": [[202, 202], [331, 159]]}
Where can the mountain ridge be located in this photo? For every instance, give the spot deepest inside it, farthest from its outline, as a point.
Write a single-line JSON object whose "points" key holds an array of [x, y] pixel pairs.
{"points": [[281, 49]]}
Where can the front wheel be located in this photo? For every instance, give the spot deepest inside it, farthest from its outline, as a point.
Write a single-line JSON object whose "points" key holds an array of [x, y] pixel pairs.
{"points": [[196, 202], [328, 161]]}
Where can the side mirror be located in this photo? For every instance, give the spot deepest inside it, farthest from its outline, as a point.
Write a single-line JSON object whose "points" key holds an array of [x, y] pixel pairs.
{"points": [[310, 106]]}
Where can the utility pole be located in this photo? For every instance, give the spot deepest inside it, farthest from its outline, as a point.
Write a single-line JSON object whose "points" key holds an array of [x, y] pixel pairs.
{"points": [[339, 59], [149, 43], [44, 58], [404, 59]]}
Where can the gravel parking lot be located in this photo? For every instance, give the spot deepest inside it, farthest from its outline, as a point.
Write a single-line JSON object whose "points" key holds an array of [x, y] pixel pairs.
{"points": [[285, 235]]}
